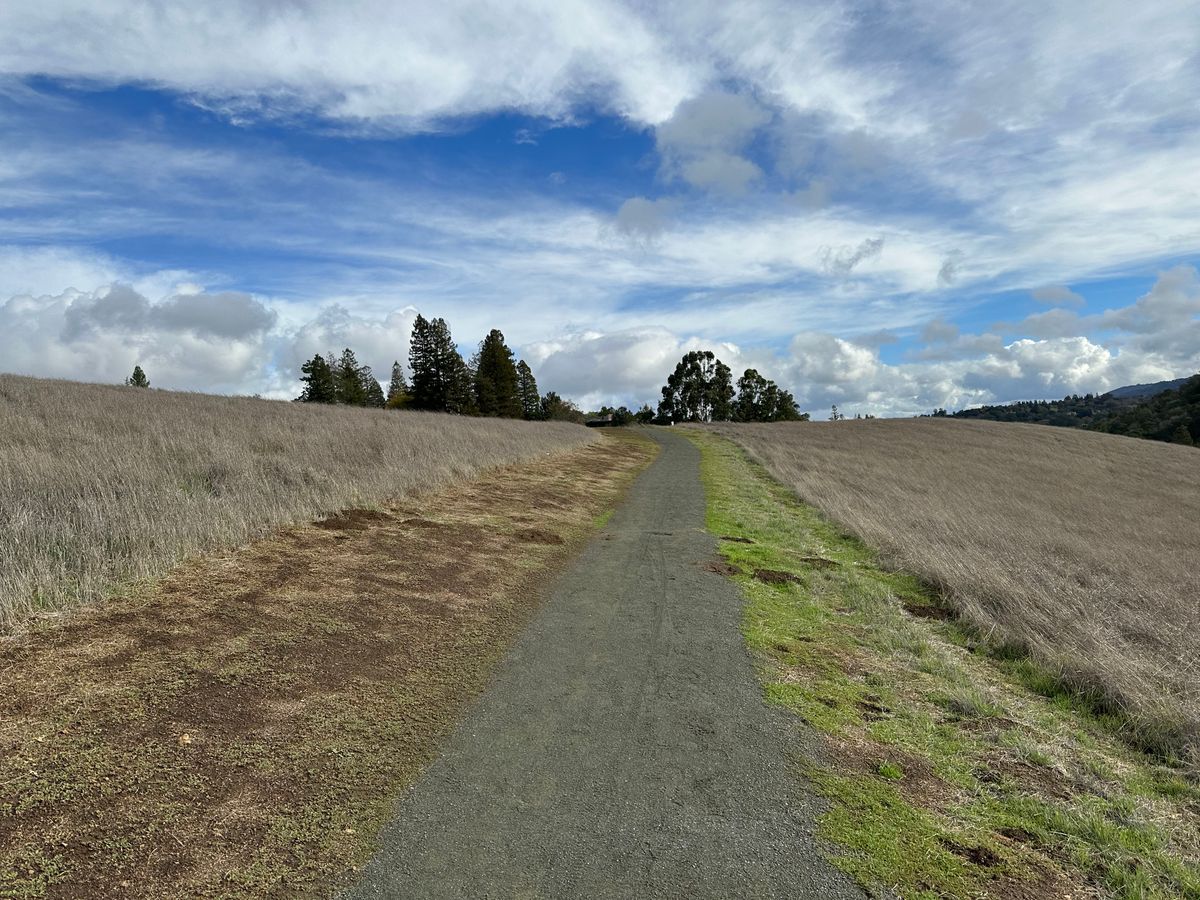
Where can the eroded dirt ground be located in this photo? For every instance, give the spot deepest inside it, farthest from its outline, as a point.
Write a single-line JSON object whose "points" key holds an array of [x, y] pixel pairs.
{"points": [[241, 727]]}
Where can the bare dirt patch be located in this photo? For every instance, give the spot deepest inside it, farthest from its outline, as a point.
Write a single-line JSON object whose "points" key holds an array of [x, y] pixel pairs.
{"points": [[776, 576], [239, 728], [537, 536], [720, 567]]}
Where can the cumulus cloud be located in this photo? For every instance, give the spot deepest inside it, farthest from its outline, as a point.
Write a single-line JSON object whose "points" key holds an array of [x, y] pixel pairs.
{"points": [[100, 335], [1057, 295], [843, 260]]}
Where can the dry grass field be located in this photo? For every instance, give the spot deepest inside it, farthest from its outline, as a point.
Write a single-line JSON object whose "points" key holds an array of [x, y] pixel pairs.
{"points": [[1079, 548], [101, 485]]}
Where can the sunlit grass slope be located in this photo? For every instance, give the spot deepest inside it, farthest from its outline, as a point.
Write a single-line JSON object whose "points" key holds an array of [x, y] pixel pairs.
{"points": [[1078, 548], [103, 484]]}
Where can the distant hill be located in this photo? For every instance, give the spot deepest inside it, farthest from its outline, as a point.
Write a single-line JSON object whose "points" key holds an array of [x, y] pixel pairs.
{"points": [[1146, 390], [1166, 411]]}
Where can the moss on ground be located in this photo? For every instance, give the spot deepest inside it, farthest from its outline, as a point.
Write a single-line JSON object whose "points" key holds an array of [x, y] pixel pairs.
{"points": [[952, 771]]}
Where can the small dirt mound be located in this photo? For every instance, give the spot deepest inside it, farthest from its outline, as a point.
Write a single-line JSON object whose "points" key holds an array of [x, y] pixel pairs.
{"points": [[774, 576], [819, 562], [929, 611], [418, 522], [980, 856], [352, 520], [720, 567], [538, 536]]}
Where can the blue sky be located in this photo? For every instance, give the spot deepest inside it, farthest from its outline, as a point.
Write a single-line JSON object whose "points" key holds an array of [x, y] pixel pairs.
{"points": [[890, 207]]}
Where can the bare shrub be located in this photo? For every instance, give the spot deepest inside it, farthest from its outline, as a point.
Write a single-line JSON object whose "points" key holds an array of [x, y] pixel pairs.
{"points": [[101, 484], [1079, 548]]}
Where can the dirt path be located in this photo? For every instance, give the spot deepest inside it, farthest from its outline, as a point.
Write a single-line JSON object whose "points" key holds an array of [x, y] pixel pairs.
{"points": [[238, 729], [623, 748]]}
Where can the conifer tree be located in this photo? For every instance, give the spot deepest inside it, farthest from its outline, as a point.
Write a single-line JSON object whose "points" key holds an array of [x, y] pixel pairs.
{"points": [[425, 382], [441, 381], [348, 380], [1183, 436], [138, 378], [373, 390], [527, 392], [495, 377], [398, 394], [318, 382]]}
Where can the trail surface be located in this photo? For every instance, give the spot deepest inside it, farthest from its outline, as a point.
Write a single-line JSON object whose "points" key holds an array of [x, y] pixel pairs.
{"points": [[623, 748]]}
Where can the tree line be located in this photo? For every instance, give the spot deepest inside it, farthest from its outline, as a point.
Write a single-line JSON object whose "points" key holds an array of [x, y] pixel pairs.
{"points": [[1171, 415], [492, 383]]}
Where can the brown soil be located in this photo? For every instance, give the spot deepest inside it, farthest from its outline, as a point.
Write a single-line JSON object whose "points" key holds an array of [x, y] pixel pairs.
{"points": [[720, 567], [240, 728], [818, 562], [775, 576], [537, 536], [929, 611]]}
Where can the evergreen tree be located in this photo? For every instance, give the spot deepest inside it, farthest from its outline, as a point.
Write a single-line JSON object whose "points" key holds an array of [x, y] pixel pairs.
{"points": [[699, 390], [556, 409], [348, 380], [835, 416], [138, 378], [460, 385], [527, 392], [318, 382], [645, 415], [1183, 436], [441, 381], [397, 395], [496, 378], [373, 391]]}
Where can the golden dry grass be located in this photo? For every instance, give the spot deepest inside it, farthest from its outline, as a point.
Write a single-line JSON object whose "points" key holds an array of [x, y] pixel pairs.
{"points": [[102, 484], [1076, 547]]}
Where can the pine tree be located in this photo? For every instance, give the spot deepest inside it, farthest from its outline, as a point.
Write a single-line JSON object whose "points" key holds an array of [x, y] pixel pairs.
{"points": [[425, 382], [1183, 436], [527, 392], [441, 381], [318, 382], [496, 378], [398, 395], [138, 378], [348, 380], [374, 391]]}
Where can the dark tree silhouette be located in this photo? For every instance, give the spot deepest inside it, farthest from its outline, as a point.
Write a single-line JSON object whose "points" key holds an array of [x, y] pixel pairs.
{"points": [[699, 390], [397, 394], [496, 377], [527, 392], [318, 382], [138, 378]]}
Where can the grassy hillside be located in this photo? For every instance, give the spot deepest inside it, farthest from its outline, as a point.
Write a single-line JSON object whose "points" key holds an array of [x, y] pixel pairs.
{"points": [[1077, 548], [102, 484]]}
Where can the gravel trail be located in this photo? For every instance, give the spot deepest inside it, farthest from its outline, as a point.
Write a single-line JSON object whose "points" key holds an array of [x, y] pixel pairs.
{"points": [[623, 749]]}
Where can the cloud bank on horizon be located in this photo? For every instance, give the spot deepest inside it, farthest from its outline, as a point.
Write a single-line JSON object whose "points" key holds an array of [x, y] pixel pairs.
{"points": [[888, 207]]}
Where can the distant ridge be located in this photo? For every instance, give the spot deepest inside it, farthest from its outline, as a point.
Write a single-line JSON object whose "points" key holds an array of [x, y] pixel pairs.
{"points": [[1166, 411], [1146, 390]]}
